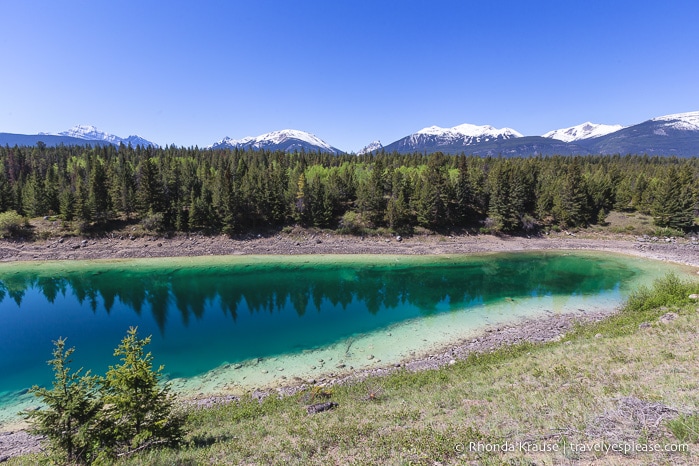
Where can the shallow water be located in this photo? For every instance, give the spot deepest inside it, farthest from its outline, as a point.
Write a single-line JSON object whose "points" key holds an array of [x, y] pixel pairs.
{"points": [[231, 323]]}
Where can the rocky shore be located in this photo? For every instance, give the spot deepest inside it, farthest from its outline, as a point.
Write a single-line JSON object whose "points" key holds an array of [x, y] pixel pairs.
{"points": [[301, 241], [682, 251]]}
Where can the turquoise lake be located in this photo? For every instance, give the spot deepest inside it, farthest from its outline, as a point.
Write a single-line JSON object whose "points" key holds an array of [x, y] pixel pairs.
{"points": [[208, 315]]}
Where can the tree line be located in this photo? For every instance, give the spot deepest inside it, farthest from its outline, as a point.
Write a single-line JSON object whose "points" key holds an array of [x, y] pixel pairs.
{"points": [[238, 191]]}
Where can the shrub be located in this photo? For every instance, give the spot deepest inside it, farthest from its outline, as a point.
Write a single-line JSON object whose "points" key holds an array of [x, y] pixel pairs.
{"points": [[154, 222], [11, 224], [352, 223], [668, 290]]}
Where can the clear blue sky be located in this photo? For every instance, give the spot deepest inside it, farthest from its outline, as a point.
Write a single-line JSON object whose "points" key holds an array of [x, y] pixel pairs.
{"points": [[192, 72]]}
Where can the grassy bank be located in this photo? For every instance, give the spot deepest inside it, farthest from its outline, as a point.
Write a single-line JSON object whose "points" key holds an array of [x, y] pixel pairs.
{"points": [[632, 379]]}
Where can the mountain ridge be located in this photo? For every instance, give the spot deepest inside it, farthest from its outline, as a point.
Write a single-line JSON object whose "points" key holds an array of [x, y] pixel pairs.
{"points": [[582, 131], [91, 133], [286, 140], [674, 134]]}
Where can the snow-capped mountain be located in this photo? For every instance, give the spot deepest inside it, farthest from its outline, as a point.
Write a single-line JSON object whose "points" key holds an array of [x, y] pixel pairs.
{"points": [[91, 133], [371, 147], [582, 131], [451, 140], [479, 133], [676, 134], [287, 140], [680, 121]]}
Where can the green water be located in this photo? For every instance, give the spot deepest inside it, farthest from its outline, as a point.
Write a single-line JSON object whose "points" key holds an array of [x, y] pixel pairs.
{"points": [[205, 313]]}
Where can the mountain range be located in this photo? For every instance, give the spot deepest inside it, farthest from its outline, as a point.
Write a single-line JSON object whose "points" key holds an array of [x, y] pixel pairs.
{"points": [[676, 134], [79, 135]]}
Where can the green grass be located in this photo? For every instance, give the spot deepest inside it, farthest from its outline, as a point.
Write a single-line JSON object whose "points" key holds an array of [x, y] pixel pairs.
{"points": [[553, 393]]}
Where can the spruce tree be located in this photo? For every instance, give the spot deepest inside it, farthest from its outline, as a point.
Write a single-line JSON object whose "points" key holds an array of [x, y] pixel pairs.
{"points": [[72, 405], [137, 403], [673, 204]]}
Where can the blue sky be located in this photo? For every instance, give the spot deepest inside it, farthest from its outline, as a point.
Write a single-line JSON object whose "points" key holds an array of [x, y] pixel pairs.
{"points": [[190, 73]]}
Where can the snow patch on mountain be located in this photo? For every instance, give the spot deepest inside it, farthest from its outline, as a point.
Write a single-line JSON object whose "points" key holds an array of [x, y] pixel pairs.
{"points": [[585, 130], [680, 121], [371, 147], [293, 140], [485, 132], [279, 137], [230, 142], [91, 133]]}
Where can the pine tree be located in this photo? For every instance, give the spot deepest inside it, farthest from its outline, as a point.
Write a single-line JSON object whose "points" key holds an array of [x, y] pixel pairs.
{"points": [[66, 204], [370, 196], [150, 193], [508, 196], [98, 198], [463, 195], [72, 405], [138, 405], [673, 204], [570, 206]]}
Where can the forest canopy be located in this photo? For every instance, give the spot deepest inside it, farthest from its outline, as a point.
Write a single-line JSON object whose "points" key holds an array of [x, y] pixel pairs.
{"points": [[238, 191]]}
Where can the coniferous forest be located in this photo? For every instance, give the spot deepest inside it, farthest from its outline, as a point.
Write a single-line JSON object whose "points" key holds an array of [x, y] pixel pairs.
{"points": [[234, 191]]}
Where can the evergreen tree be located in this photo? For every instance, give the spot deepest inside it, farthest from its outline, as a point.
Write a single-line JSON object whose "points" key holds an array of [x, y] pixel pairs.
{"points": [[673, 204], [463, 195], [98, 197], [81, 205], [66, 204], [137, 403], [509, 196], [34, 200], [72, 405], [370, 196], [570, 206], [150, 191], [432, 194]]}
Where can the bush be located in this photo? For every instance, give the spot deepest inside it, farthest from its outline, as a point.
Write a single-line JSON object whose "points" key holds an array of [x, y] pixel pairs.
{"points": [[88, 418], [667, 231], [11, 224], [154, 222], [666, 291], [352, 223]]}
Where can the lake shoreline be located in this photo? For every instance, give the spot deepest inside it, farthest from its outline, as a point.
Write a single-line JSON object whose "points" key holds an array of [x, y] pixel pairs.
{"points": [[304, 242], [15, 441], [553, 327]]}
